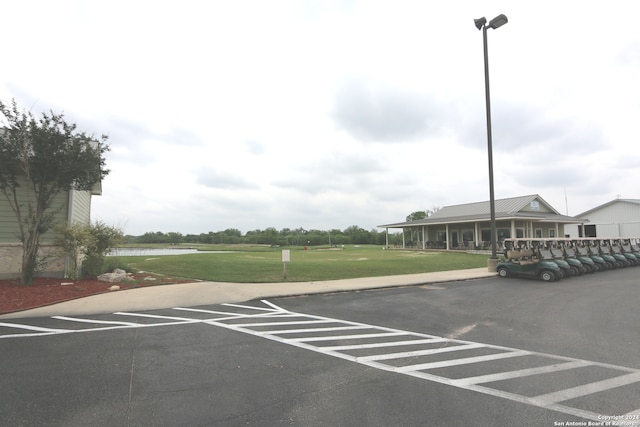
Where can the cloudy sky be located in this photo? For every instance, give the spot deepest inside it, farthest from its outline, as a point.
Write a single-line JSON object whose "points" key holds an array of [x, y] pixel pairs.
{"points": [[251, 114]]}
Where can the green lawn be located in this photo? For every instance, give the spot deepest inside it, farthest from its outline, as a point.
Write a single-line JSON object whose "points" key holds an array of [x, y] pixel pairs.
{"points": [[261, 264]]}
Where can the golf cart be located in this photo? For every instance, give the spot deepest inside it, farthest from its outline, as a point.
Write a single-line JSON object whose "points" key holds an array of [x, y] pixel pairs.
{"points": [[522, 261], [583, 249], [586, 264], [617, 250], [543, 249]]}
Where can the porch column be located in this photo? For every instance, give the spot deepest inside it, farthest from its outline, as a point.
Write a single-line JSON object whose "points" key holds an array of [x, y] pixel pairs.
{"points": [[403, 245], [513, 228], [386, 237], [447, 234], [424, 244], [476, 235]]}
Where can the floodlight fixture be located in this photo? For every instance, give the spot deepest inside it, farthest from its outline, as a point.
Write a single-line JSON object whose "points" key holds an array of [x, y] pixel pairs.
{"points": [[498, 21]]}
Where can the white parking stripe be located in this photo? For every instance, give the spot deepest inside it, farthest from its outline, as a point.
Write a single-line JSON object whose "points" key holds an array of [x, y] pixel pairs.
{"points": [[32, 328], [420, 352], [99, 322], [583, 390], [348, 337], [521, 373], [199, 310], [301, 322], [463, 361], [298, 331], [385, 344], [157, 316], [274, 309]]}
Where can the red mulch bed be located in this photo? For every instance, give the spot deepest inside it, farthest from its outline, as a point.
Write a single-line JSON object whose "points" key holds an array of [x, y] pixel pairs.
{"points": [[47, 291]]}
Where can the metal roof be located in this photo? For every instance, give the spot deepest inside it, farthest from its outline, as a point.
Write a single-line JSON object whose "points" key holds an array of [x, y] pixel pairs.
{"points": [[511, 208], [633, 201]]}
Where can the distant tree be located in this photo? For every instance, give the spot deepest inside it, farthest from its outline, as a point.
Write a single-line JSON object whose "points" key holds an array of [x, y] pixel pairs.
{"points": [[233, 232], [41, 158], [174, 238], [417, 215]]}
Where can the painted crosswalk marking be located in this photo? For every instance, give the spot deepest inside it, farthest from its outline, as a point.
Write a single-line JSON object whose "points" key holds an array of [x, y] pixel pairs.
{"points": [[388, 349]]}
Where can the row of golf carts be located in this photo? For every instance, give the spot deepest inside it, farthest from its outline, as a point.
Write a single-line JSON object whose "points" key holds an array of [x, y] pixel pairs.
{"points": [[554, 259]]}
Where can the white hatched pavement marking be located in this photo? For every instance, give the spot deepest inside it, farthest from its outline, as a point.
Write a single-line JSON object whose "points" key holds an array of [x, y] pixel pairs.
{"points": [[349, 337], [544, 401], [301, 322], [385, 344], [41, 331], [157, 316], [33, 328], [522, 373], [200, 310], [586, 389], [400, 355], [547, 401], [98, 322], [329, 329], [463, 361]]}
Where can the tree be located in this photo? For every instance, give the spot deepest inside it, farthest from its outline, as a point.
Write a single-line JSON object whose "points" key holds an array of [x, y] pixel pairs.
{"points": [[414, 216], [41, 158]]}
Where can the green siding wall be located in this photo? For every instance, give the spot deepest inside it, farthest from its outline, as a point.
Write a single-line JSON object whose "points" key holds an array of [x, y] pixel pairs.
{"points": [[9, 223]]}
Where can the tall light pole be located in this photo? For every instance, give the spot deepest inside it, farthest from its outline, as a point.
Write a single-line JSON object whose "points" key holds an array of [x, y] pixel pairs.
{"points": [[481, 24]]}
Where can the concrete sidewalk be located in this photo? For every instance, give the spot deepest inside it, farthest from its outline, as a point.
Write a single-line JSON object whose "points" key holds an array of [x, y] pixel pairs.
{"points": [[204, 293]]}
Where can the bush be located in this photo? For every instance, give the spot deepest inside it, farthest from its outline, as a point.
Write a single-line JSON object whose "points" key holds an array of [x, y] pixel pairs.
{"points": [[91, 242]]}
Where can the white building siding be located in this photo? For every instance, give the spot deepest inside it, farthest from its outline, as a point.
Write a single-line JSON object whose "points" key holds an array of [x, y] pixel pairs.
{"points": [[619, 218], [619, 212]]}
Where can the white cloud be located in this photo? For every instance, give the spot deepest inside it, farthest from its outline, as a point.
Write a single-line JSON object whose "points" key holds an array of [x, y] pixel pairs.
{"points": [[252, 114]]}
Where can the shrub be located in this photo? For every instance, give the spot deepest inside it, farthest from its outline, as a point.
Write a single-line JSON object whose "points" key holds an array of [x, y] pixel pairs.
{"points": [[90, 243]]}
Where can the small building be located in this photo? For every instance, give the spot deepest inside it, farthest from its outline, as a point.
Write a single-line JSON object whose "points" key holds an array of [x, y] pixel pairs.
{"points": [[69, 207], [617, 218], [468, 226]]}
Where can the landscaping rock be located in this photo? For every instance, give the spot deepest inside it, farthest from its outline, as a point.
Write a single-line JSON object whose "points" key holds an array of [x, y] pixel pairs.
{"points": [[117, 275]]}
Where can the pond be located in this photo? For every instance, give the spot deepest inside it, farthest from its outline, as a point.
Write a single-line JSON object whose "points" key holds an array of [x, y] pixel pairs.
{"points": [[150, 252]]}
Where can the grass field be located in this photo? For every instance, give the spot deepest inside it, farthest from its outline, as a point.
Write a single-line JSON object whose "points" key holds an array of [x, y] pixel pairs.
{"points": [[262, 264]]}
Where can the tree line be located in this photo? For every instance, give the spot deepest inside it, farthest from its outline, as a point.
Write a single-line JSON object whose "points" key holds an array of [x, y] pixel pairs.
{"points": [[272, 236]]}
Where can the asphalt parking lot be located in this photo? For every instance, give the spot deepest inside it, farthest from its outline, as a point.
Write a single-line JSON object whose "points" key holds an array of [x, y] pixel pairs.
{"points": [[480, 352]]}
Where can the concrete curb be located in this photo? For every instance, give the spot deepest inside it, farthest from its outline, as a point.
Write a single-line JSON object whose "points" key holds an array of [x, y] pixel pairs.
{"points": [[205, 293]]}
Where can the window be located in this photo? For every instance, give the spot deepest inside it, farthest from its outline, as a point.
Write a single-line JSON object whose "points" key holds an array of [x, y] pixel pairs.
{"points": [[538, 232], [520, 233], [503, 233], [552, 232], [442, 236]]}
